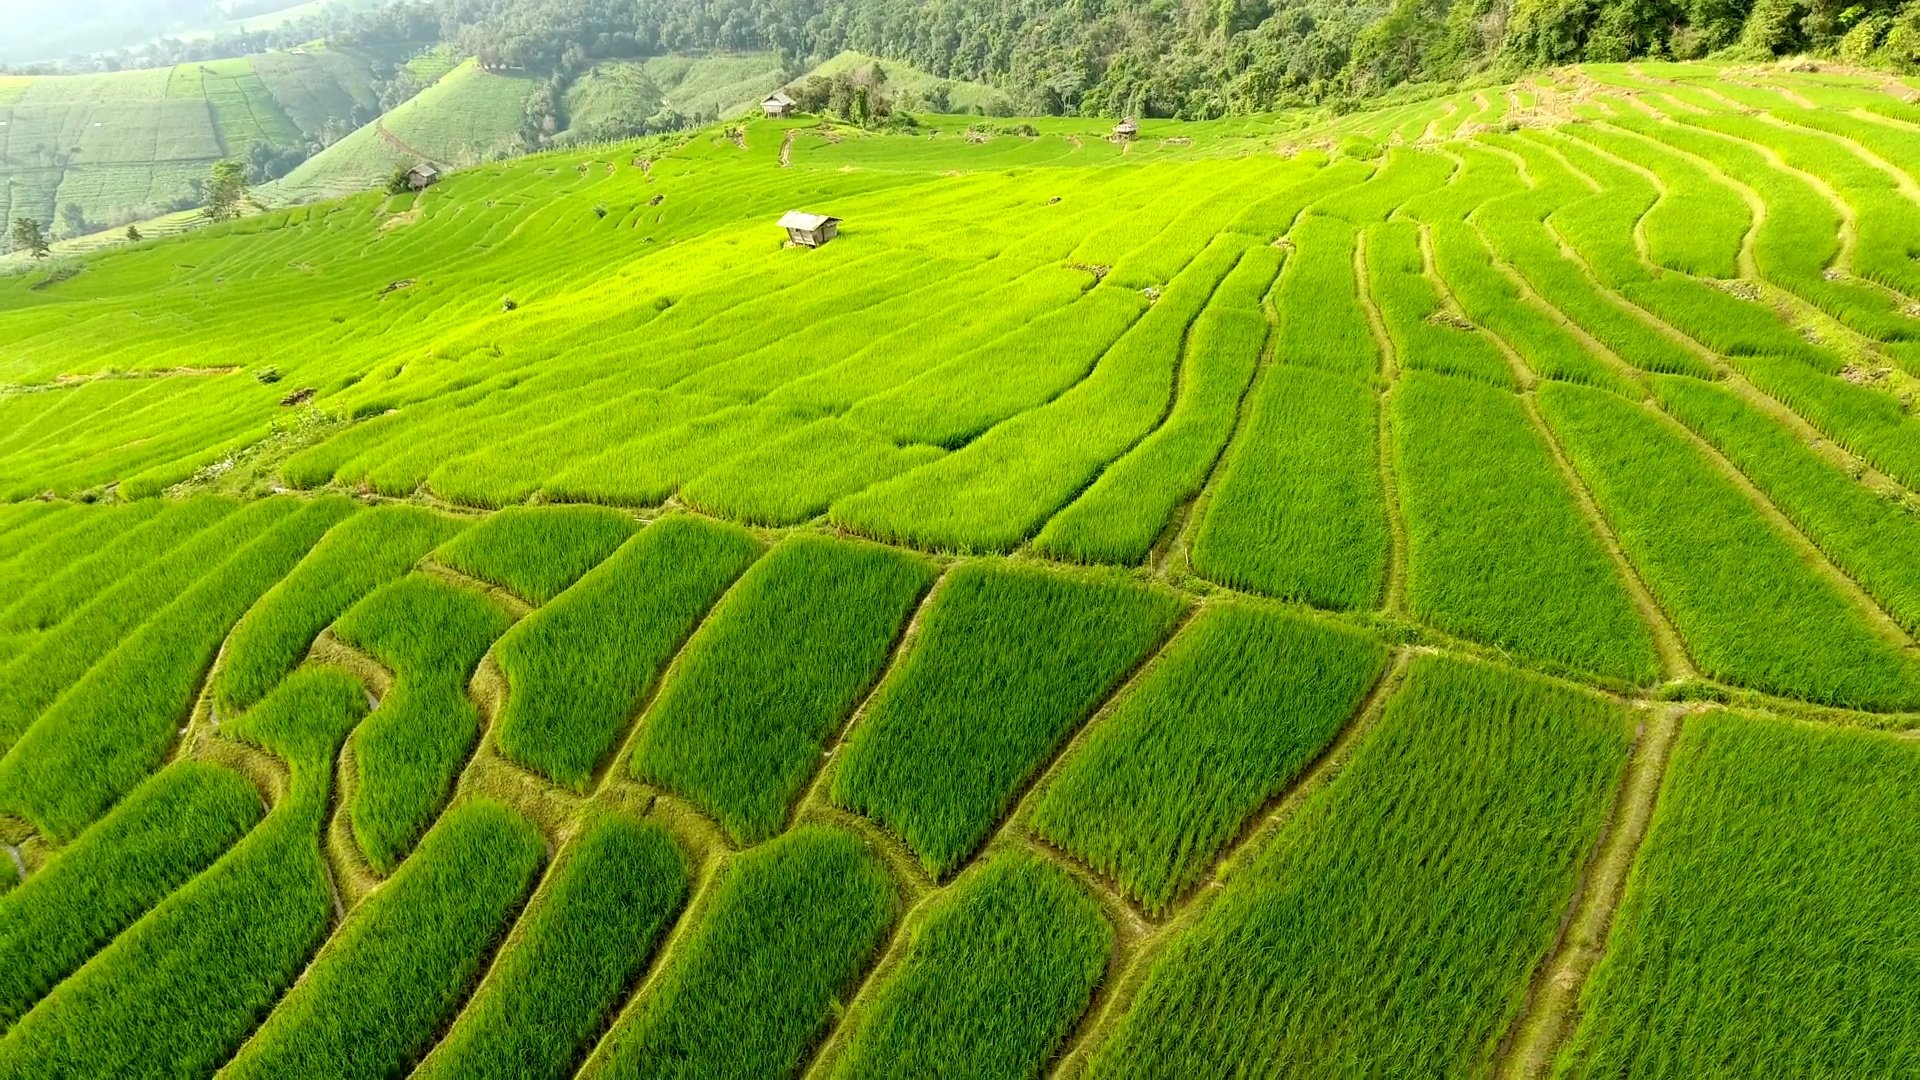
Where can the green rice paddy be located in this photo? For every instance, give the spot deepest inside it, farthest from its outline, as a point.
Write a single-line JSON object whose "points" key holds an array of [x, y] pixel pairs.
{"points": [[1414, 592]]}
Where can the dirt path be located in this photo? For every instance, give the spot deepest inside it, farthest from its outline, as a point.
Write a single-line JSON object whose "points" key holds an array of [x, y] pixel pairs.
{"points": [[397, 143], [786, 149]]}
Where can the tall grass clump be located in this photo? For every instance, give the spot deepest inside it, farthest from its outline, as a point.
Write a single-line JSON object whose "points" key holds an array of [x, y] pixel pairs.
{"points": [[1870, 537], [586, 937], [171, 827], [1393, 925], [1763, 929], [184, 987], [1504, 555], [109, 732], [1751, 608], [993, 978], [1298, 512], [1126, 509], [431, 635], [43, 671], [774, 948], [365, 552], [782, 661], [1242, 702], [384, 985], [580, 667], [535, 552], [1009, 661]]}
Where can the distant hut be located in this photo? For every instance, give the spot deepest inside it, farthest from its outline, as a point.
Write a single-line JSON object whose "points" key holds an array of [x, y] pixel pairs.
{"points": [[422, 176], [809, 230], [1125, 130], [777, 105]]}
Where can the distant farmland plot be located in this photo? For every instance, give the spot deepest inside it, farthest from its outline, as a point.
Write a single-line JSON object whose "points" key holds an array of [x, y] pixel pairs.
{"points": [[1438, 599]]}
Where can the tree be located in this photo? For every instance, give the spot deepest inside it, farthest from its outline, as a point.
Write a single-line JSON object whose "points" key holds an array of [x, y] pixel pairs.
{"points": [[73, 217], [133, 234], [29, 237], [226, 188]]}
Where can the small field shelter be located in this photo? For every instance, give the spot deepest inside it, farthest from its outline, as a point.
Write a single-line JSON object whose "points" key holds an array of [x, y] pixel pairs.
{"points": [[809, 230]]}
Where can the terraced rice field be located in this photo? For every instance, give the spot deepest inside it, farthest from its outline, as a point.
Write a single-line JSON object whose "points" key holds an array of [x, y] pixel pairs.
{"points": [[1427, 592], [131, 141]]}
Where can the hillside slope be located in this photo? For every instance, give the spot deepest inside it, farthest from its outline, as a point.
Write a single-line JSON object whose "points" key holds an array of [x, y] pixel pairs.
{"points": [[129, 145], [1429, 591]]}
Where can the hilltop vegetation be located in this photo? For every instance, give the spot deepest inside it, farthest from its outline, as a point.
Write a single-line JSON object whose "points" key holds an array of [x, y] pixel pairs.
{"points": [[1421, 591]]}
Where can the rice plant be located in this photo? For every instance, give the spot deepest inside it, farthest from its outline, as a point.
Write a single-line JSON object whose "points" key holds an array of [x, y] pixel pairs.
{"points": [[774, 948], [393, 975], [431, 635], [1298, 512], [780, 664], [1394, 923], [1242, 702], [1009, 661], [106, 734], [585, 938], [993, 978], [366, 551], [579, 668], [184, 986], [536, 552], [1758, 931], [1750, 607], [114, 872], [1504, 555]]}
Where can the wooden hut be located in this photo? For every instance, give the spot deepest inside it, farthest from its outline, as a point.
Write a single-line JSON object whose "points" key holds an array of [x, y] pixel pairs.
{"points": [[777, 105], [1125, 130], [422, 176], [809, 230]]}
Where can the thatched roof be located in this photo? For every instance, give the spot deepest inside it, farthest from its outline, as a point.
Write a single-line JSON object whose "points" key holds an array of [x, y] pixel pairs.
{"points": [[778, 97]]}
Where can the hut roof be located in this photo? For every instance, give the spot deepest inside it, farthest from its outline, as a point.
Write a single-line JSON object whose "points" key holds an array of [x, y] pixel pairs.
{"points": [[1127, 126], [799, 219], [778, 97], [425, 168]]}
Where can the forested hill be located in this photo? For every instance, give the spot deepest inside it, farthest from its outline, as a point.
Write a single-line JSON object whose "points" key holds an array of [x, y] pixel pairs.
{"points": [[1191, 59], [1205, 58]]}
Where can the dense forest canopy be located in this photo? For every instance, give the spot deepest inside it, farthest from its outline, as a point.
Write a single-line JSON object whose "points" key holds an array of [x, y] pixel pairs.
{"points": [[1187, 58]]}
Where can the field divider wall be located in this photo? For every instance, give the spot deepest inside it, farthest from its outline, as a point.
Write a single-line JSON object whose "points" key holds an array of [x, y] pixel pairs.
{"points": [[1810, 553], [1171, 556], [1547, 1019], [1674, 661], [1130, 927], [1116, 992], [1394, 602]]}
